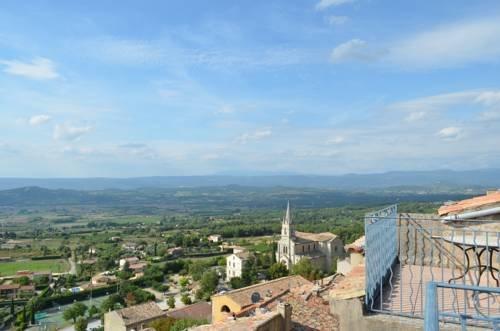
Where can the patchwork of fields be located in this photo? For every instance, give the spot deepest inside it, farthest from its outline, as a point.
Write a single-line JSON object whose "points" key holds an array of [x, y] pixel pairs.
{"points": [[10, 268]]}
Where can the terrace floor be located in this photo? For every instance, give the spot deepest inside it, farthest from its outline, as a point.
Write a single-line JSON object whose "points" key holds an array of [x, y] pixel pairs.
{"points": [[406, 292]]}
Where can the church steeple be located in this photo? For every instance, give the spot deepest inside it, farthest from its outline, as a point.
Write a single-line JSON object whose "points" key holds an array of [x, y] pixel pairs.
{"points": [[286, 224]]}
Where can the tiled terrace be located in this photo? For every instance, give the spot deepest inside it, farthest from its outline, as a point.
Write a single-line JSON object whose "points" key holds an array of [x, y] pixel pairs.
{"points": [[406, 292]]}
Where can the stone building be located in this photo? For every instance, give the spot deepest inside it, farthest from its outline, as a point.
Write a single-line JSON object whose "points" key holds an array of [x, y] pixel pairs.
{"points": [[235, 264], [323, 249], [133, 318]]}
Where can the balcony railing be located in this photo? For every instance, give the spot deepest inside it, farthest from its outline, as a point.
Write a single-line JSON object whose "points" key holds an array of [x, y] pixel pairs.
{"points": [[436, 310], [404, 252]]}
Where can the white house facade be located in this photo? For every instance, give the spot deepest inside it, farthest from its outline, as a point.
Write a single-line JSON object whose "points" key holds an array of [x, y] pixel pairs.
{"points": [[235, 264]]}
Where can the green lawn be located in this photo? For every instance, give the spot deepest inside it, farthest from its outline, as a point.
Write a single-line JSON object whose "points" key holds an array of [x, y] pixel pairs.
{"points": [[10, 268]]}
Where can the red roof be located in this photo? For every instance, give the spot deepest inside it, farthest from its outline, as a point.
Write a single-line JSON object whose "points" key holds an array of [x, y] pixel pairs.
{"points": [[479, 202], [199, 311]]}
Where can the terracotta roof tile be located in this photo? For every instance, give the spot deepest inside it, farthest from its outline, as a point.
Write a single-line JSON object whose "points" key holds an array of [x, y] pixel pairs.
{"points": [[356, 246], [138, 313], [199, 311], [266, 290], [474, 203], [352, 286]]}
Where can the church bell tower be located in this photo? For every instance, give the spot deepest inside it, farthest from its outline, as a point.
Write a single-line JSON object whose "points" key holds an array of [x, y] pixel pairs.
{"points": [[286, 224]]}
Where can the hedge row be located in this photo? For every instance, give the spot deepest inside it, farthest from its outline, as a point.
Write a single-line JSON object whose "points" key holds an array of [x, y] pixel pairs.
{"points": [[46, 257], [204, 254]]}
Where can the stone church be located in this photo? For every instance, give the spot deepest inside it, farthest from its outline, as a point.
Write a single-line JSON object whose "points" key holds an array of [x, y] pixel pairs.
{"points": [[323, 249]]}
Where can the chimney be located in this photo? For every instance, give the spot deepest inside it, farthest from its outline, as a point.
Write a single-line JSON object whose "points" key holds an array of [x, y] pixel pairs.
{"points": [[285, 310]]}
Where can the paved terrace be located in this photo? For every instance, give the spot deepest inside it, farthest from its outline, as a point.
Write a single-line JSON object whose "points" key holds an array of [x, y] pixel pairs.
{"points": [[407, 295]]}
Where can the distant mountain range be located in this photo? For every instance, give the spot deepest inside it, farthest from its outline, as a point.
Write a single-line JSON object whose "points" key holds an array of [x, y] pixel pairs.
{"points": [[439, 179]]}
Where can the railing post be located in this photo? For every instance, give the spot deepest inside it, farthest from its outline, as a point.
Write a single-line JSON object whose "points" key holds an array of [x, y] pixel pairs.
{"points": [[431, 314]]}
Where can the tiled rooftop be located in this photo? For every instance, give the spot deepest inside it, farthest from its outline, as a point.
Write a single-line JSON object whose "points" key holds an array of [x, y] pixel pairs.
{"points": [[267, 290], [200, 311], [138, 313], [323, 236], [357, 246], [491, 198], [240, 324], [309, 312], [9, 287], [243, 255], [351, 286]]}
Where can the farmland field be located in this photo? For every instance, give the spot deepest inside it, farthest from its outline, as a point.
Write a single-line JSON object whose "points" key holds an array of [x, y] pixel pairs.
{"points": [[10, 268]]}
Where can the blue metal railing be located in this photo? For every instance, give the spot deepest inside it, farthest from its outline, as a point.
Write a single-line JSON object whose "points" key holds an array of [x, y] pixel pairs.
{"points": [[435, 311], [404, 252], [381, 251]]}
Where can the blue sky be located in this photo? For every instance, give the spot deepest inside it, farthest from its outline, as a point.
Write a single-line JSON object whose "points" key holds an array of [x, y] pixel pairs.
{"points": [[139, 88]]}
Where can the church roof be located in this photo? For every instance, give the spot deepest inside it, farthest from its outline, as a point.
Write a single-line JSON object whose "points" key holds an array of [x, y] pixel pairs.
{"points": [[323, 236]]}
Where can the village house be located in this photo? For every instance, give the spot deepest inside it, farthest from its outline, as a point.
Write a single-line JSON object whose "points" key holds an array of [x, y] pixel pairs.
{"points": [[128, 260], [175, 251], [238, 301], [235, 264], [356, 252], [130, 246], [322, 249], [201, 311], [103, 279], [138, 268], [282, 304], [134, 318], [12, 291], [215, 238]]}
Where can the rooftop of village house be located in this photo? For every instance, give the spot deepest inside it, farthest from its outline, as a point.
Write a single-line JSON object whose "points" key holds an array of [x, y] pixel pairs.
{"points": [[138, 313], [492, 198], [268, 290]]}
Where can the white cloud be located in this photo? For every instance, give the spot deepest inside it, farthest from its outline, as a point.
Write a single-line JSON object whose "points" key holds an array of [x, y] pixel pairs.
{"points": [[489, 98], [210, 156], [68, 132], [38, 120], [445, 100], [337, 20], [491, 115], [323, 4], [415, 116], [226, 109], [450, 45], [39, 68], [124, 51], [335, 140], [449, 133], [256, 135], [353, 50]]}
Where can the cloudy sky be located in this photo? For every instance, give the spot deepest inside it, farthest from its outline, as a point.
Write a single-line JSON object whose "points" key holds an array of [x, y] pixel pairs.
{"points": [[93, 88]]}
